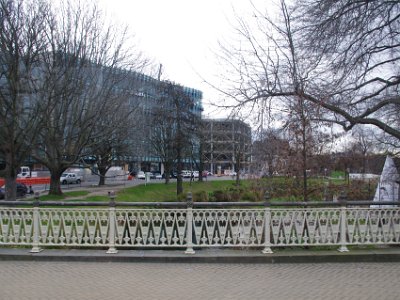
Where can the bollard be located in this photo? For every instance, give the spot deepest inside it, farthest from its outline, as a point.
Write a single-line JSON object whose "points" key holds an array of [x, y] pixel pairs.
{"points": [[343, 218], [111, 225], [267, 222], [189, 224], [36, 225]]}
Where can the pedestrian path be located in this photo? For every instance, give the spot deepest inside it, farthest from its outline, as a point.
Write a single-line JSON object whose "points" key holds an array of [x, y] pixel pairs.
{"points": [[25, 280]]}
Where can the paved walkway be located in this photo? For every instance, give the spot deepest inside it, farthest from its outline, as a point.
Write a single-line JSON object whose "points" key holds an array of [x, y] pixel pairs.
{"points": [[91, 280]]}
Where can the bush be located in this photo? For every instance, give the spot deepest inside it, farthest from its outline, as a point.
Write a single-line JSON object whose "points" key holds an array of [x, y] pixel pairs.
{"points": [[249, 196], [221, 196], [200, 196], [182, 197]]}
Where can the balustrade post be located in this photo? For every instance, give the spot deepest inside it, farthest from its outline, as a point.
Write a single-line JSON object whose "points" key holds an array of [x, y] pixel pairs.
{"points": [[36, 225], [343, 220], [111, 225], [267, 225], [189, 224]]}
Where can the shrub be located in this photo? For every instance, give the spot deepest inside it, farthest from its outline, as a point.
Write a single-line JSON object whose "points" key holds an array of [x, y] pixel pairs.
{"points": [[182, 197], [249, 196], [200, 196], [221, 196]]}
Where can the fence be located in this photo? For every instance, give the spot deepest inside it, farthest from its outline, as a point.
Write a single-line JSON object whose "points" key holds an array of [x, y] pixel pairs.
{"points": [[190, 226]]}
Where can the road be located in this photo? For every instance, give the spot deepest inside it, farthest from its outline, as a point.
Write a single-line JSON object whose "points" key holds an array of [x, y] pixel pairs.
{"points": [[93, 180], [86, 280]]}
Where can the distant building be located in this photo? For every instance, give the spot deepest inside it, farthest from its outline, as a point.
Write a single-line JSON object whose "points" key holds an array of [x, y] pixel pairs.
{"points": [[146, 95], [225, 142]]}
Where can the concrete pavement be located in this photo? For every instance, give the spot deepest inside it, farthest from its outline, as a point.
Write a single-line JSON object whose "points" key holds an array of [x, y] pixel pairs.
{"points": [[90, 280], [209, 274]]}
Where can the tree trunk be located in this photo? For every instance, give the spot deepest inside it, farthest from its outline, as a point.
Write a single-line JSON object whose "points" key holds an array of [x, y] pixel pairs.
{"points": [[10, 174], [179, 184], [102, 177], [55, 185], [304, 154], [11, 188], [167, 171]]}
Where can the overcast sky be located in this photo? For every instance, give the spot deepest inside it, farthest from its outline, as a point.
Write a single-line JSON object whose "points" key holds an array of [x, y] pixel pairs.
{"points": [[181, 35]]}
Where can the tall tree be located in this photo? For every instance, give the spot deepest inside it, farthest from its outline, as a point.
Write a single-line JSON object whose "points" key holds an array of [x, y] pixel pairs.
{"points": [[81, 75], [340, 55], [22, 39], [176, 125]]}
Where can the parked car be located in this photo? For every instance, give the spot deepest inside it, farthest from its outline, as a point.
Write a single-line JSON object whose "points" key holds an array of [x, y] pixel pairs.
{"points": [[171, 175], [186, 174], [22, 190], [68, 178], [141, 175], [157, 176]]}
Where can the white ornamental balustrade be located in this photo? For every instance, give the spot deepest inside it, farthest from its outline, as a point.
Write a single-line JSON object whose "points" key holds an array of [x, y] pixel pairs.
{"points": [[193, 226], [73, 227], [16, 225], [228, 227], [305, 227], [150, 228], [373, 226]]}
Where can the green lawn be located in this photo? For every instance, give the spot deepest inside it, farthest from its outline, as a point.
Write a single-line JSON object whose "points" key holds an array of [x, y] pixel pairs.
{"points": [[156, 192], [278, 188], [75, 194]]}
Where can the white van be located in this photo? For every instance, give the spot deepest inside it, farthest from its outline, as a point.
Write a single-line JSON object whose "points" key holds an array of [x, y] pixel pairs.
{"points": [[141, 175], [24, 172]]}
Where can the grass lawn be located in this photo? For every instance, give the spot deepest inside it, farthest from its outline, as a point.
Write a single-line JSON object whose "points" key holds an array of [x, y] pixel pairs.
{"points": [[160, 192], [75, 194], [279, 189]]}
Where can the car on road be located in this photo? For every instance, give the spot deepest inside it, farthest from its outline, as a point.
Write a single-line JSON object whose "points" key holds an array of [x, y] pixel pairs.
{"points": [[22, 190], [141, 175], [68, 178], [171, 175], [186, 174], [157, 176], [207, 173]]}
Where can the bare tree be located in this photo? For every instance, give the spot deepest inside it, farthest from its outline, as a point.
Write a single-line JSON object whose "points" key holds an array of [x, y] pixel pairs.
{"points": [[359, 45], [80, 73], [340, 55], [270, 151], [164, 133], [21, 41], [176, 127], [110, 140]]}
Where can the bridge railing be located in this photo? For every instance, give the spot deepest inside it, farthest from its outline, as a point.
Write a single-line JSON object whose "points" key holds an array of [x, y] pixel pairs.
{"points": [[189, 226]]}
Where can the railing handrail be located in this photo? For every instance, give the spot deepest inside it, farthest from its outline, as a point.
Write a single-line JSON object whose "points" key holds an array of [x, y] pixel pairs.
{"points": [[196, 204]]}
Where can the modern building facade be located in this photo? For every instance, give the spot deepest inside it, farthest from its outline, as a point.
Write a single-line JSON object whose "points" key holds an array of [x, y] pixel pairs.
{"points": [[147, 96], [226, 146]]}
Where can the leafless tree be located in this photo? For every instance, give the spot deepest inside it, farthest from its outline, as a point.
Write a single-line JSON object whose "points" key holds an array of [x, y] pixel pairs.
{"points": [[21, 41], [81, 75], [164, 133], [340, 55], [359, 43], [110, 141], [176, 124], [271, 150]]}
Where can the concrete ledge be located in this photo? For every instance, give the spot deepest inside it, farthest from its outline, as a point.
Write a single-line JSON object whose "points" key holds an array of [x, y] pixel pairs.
{"points": [[391, 254]]}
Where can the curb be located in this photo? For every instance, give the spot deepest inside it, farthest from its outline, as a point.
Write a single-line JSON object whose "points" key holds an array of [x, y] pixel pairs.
{"points": [[201, 256]]}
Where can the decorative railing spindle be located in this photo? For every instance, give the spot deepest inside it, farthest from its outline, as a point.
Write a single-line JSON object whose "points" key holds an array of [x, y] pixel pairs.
{"points": [[111, 225], [343, 220], [36, 225], [267, 225], [189, 224]]}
